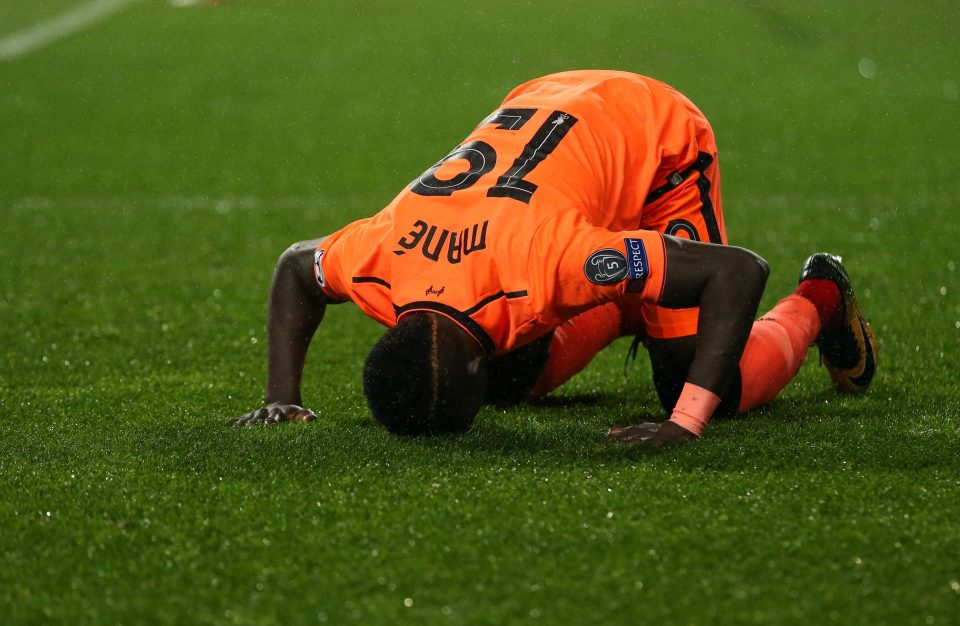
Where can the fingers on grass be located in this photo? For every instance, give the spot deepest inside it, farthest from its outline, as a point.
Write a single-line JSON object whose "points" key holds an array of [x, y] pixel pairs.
{"points": [[243, 420], [268, 416], [631, 434]]}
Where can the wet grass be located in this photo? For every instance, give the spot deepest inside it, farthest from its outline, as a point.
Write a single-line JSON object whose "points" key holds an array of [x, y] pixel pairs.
{"points": [[153, 168]]}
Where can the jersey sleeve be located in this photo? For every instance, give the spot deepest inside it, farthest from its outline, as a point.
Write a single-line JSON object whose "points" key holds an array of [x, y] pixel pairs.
{"points": [[329, 273], [351, 265], [574, 266]]}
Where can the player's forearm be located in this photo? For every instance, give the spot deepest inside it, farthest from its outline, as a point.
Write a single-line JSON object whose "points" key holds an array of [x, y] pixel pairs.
{"points": [[726, 283], [296, 309]]}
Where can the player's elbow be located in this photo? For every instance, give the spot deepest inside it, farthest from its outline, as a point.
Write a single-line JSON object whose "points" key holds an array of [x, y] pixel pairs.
{"points": [[751, 269], [295, 267], [755, 266], [296, 260]]}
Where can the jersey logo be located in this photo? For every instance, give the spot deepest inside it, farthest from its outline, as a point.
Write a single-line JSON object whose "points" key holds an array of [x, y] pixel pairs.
{"points": [[434, 292], [318, 268], [432, 241], [637, 263], [605, 267]]}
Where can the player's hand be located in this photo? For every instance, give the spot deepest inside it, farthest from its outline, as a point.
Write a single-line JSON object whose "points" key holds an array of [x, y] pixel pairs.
{"points": [[274, 413], [651, 434]]}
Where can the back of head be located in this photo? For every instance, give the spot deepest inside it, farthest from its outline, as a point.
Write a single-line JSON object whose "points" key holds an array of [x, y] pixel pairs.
{"points": [[425, 376]]}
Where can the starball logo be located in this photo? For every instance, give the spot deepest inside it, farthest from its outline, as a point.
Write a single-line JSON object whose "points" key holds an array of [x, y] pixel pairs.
{"points": [[434, 241]]}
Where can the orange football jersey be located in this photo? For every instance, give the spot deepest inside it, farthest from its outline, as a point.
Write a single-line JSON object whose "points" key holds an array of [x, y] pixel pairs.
{"points": [[538, 214]]}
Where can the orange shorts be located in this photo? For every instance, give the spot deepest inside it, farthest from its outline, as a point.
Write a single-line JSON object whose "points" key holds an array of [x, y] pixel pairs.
{"points": [[687, 205]]}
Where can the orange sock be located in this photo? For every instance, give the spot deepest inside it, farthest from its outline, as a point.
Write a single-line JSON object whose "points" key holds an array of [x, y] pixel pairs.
{"points": [[775, 350], [574, 344]]}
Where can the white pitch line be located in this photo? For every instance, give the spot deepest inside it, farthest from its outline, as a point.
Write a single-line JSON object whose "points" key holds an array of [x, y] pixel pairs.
{"points": [[45, 33]]}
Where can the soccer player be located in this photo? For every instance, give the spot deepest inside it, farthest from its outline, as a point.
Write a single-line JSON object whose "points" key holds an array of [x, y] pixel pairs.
{"points": [[587, 206]]}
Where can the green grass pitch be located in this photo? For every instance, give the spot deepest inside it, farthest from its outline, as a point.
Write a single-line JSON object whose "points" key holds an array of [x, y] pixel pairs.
{"points": [[155, 164]]}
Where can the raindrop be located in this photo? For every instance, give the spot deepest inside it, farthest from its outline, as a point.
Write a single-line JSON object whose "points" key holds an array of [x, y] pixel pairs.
{"points": [[867, 68], [408, 602], [950, 90]]}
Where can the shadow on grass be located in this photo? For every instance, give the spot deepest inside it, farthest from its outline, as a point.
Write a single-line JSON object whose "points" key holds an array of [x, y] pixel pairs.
{"points": [[579, 400], [816, 433]]}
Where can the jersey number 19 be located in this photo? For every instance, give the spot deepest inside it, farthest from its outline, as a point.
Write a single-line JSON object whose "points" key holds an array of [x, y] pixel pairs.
{"points": [[482, 158]]}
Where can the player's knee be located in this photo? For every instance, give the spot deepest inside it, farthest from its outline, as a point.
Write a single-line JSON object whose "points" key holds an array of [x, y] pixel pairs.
{"points": [[513, 375], [420, 380]]}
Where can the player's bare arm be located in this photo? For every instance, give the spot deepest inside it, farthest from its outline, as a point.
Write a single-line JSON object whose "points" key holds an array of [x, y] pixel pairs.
{"points": [[727, 283], [296, 309]]}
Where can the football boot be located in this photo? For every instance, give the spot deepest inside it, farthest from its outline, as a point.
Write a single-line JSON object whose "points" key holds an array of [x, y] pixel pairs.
{"points": [[848, 348]]}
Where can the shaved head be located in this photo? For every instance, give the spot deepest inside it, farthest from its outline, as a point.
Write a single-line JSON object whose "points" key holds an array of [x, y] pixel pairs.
{"points": [[425, 376]]}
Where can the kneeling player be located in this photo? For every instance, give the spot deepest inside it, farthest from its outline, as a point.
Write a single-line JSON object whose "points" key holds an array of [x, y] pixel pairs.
{"points": [[563, 205]]}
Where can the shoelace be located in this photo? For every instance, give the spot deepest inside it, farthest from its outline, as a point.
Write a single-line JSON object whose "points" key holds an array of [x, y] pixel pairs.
{"points": [[632, 352]]}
